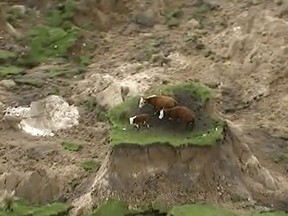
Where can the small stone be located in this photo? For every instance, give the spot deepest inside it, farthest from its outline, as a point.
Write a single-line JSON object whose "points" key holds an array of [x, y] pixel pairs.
{"points": [[192, 24], [145, 20], [8, 84]]}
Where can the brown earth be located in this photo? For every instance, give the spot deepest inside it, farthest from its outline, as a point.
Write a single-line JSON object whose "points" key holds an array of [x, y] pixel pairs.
{"points": [[245, 53]]}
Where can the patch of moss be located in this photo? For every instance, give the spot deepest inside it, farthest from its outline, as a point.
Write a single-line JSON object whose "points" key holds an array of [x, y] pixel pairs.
{"points": [[199, 209], [21, 208], [90, 165], [6, 55], [111, 207], [122, 132], [10, 70], [70, 146]]}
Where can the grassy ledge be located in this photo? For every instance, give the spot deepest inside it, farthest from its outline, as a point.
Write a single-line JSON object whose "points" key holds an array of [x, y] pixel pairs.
{"points": [[21, 208], [206, 132], [117, 208]]}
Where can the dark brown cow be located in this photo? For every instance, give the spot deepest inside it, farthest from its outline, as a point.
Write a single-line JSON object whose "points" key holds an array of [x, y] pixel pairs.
{"points": [[181, 113]]}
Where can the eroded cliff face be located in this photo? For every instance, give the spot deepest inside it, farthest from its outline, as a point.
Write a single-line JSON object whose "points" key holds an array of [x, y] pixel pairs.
{"points": [[172, 175]]}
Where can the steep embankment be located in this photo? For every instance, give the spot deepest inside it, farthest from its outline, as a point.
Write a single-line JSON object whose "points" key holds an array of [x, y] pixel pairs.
{"points": [[224, 171]]}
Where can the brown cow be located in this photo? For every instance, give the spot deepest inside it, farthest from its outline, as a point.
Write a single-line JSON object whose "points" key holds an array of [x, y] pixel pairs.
{"points": [[181, 113], [158, 102]]}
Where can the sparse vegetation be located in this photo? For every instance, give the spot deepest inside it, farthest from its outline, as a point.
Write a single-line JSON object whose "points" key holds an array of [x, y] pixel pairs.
{"points": [[199, 209], [122, 132], [117, 208], [172, 17], [48, 42], [150, 48], [71, 146], [90, 165]]}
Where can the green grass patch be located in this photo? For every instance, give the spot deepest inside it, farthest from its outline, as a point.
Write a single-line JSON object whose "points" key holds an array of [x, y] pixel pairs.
{"points": [[90, 165], [57, 17], [117, 208], [111, 207], [199, 12], [122, 132], [6, 55], [21, 208], [70, 146], [10, 70], [46, 43], [199, 210]]}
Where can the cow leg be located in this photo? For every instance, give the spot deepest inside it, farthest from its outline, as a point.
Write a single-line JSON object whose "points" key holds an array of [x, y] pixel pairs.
{"points": [[189, 125], [155, 111], [147, 125], [136, 126]]}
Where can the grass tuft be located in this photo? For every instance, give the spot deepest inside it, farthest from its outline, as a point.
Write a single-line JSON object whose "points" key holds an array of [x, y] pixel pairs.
{"points": [[70, 146], [90, 165]]}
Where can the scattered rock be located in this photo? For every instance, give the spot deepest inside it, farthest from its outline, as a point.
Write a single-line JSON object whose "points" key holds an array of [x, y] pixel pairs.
{"points": [[192, 24], [19, 9], [145, 19], [8, 84]]}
